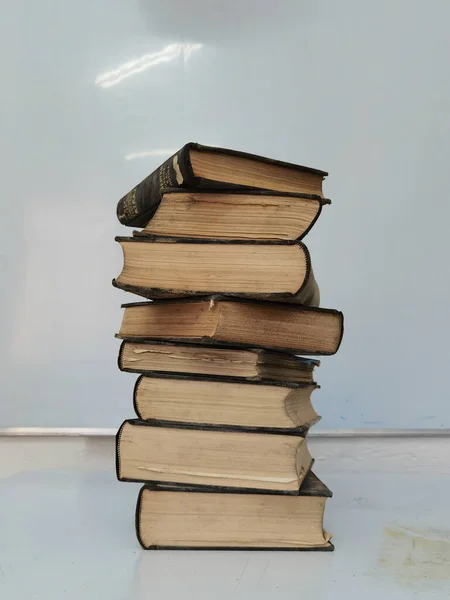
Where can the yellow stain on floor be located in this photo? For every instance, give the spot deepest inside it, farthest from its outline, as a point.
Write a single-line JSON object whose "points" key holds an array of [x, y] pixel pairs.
{"points": [[415, 557]]}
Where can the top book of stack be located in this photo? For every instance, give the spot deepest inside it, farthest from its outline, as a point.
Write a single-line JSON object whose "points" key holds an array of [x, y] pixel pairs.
{"points": [[214, 193]]}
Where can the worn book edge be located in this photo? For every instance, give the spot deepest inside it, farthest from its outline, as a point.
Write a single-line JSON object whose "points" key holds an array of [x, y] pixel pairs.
{"points": [[256, 379], [207, 341]]}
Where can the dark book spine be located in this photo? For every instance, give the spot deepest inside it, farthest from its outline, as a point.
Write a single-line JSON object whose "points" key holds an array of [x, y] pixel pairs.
{"points": [[140, 204]]}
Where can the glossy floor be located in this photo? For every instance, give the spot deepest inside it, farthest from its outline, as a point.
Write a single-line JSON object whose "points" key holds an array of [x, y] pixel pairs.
{"points": [[67, 532]]}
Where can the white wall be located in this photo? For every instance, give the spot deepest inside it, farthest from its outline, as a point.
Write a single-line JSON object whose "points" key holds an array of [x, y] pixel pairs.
{"points": [[359, 89]]}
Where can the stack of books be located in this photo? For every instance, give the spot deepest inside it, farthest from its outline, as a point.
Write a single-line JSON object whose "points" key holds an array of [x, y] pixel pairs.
{"points": [[223, 401]]}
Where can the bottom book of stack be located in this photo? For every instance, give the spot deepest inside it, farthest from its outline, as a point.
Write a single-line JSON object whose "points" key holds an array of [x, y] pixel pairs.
{"points": [[172, 517]]}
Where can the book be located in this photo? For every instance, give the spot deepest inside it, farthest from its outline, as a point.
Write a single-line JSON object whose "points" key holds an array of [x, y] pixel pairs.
{"points": [[214, 402], [156, 268], [196, 165], [170, 517], [263, 461], [234, 215], [159, 357], [226, 320]]}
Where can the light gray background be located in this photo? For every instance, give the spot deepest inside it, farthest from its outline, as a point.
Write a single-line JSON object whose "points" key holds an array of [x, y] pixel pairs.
{"points": [[93, 100]]}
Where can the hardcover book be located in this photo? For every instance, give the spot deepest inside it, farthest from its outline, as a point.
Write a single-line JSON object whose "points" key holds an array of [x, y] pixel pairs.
{"points": [[226, 320], [159, 357], [163, 268], [196, 165], [169, 517], [217, 402], [184, 455], [234, 215]]}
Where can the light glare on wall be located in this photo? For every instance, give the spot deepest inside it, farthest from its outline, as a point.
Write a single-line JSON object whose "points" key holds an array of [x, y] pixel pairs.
{"points": [[131, 67], [158, 152]]}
